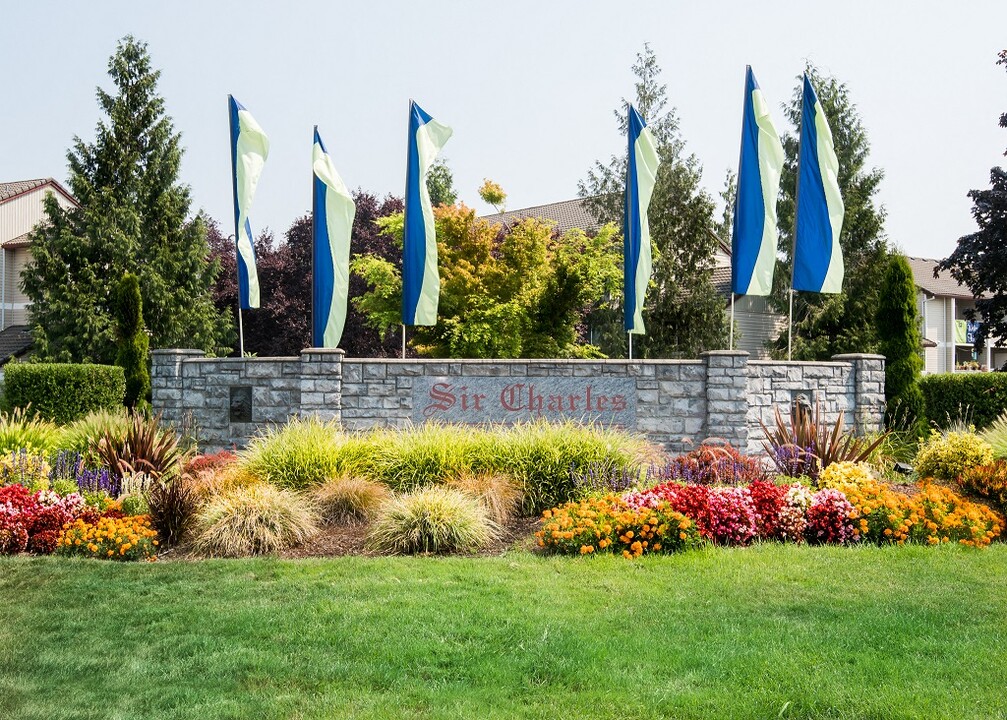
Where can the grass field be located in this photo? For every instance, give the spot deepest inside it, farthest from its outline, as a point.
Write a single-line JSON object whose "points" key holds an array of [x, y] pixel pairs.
{"points": [[765, 632]]}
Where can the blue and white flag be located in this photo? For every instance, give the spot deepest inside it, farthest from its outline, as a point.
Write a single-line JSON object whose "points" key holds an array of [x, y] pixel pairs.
{"points": [[641, 174], [421, 284], [332, 223], [818, 257], [754, 236], [249, 150]]}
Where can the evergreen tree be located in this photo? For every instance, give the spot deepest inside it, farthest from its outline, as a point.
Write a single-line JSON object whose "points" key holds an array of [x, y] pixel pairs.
{"points": [[980, 260], [441, 184], [825, 325], [898, 328], [134, 215], [132, 341], [683, 314]]}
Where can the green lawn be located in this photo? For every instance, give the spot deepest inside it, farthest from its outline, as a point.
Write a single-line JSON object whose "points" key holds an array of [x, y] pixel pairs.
{"points": [[765, 632]]}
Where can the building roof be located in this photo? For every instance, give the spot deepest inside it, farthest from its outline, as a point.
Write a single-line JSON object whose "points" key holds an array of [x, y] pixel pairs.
{"points": [[943, 285], [15, 188], [15, 340], [21, 241], [566, 214]]}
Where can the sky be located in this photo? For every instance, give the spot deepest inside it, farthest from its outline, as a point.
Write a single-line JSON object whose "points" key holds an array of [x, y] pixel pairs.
{"points": [[529, 88]]}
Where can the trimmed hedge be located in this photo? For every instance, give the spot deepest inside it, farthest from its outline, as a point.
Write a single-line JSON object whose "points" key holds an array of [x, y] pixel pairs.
{"points": [[948, 394], [63, 392]]}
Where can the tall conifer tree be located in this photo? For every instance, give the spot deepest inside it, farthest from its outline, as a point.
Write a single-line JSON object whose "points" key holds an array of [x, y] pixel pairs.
{"points": [[683, 314], [134, 216]]}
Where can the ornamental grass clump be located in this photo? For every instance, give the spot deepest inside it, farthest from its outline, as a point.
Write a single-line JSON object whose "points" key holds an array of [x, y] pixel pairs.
{"points": [[996, 436], [610, 524], [22, 429], [988, 481], [435, 519], [146, 447], [82, 435], [254, 520], [303, 453], [496, 492], [949, 454], [348, 500]]}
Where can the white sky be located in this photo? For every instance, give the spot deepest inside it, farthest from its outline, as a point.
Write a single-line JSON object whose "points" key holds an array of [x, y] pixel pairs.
{"points": [[528, 87]]}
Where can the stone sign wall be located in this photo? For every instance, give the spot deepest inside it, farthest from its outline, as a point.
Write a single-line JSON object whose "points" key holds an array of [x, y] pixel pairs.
{"points": [[674, 402]]}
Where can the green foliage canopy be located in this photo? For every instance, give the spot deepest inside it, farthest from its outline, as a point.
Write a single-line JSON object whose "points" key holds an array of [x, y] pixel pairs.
{"points": [[684, 315], [134, 215], [505, 292], [826, 325], [898, 327]]}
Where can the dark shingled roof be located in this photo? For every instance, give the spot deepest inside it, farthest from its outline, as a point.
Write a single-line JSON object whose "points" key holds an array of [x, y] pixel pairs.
{"points": [[943, 285], [567, 214], [15, 340]]}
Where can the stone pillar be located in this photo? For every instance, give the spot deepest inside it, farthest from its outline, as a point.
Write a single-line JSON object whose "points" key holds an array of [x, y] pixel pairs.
{"points": [[322, 383], [166, 381], [869, 390], [727, 396]]}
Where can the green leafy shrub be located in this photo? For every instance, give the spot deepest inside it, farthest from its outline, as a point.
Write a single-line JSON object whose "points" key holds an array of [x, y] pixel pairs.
{"points": [[897, 321], [252, 520], [134, 504], [131, 339], [988, 481], [434, 519], [348, 499], [303, 453], [947, 455], [20, 430], [63, 392], [985, 394], [82, 435]]}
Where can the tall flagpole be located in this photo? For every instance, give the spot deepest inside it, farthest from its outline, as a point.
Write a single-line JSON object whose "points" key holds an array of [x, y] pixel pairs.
{"points": [[314, 212], [241, 332], [793, 246], [630, 345], [731, 342]]}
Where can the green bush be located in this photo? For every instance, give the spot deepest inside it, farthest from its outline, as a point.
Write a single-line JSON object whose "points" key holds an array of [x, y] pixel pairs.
{"points": [[897, 321], [252, 521], [131, 339], [434, 519], [948, 395], [21, 430], [542, 458], [947, 455], [63, 392], [302, 454]]}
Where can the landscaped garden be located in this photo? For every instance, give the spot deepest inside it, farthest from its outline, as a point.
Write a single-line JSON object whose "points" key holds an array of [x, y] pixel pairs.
{"points": [[556, 569]]}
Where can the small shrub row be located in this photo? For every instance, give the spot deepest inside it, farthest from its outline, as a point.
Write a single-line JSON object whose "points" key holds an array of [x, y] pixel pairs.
{"points": [[946, 395], [538, 456], [63, 392]]}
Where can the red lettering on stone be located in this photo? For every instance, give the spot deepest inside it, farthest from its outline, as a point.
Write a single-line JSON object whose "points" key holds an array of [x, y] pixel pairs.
{"points": [[602, 402], [573, 402], [442, 397], [618, 403], [510, 397]]}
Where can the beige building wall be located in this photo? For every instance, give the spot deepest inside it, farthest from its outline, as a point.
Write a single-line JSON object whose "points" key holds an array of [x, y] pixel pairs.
{"points": [[19, 216]]}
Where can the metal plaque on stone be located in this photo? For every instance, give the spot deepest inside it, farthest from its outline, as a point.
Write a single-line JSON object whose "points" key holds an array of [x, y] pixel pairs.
{"points": [[240, 408], [473, 400]]}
